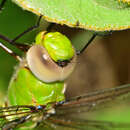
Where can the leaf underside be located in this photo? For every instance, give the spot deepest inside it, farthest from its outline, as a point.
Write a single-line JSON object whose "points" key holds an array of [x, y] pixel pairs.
{"points": [[99, 15]]}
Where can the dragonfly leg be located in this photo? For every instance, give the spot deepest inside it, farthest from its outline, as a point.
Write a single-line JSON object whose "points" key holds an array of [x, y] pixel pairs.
{"points": [[28, 30], [87, 44], [16, 56], [92, 38], [20, 46], [2, 4]]}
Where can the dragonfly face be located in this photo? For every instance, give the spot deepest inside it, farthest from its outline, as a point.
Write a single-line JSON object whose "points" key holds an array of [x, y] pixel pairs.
{"points": [[27, 109]]}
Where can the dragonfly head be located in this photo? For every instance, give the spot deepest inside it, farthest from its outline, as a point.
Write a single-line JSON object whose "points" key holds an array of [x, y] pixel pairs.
{"points": [[52, 58]]}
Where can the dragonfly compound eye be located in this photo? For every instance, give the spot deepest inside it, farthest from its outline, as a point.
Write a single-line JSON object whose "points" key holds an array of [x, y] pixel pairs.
{"points": [[45, 68], [57, 45]]}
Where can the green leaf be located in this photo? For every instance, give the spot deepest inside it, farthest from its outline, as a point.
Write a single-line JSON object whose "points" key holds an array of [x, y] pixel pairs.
{"points": [[99, 15], [125, 1]]}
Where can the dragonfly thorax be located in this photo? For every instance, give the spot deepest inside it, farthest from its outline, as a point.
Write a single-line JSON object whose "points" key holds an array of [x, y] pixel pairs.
{"points": [[31, 90]]}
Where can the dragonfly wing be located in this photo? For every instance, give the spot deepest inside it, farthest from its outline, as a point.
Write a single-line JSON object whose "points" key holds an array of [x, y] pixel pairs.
{"points": [[12, 116], [44, 125], [95, 100], [73, 124], [14, 123], [69, 113]]}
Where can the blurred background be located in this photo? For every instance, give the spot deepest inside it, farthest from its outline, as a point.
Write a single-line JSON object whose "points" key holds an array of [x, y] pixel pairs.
{"points": [[105, 63]]}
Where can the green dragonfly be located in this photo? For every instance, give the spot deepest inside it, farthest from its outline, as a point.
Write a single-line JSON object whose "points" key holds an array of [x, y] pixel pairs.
{"points": [[36, 97]]}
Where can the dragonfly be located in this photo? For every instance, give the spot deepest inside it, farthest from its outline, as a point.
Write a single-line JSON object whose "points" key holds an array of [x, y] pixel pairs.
{"points": [[40, 77]]}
